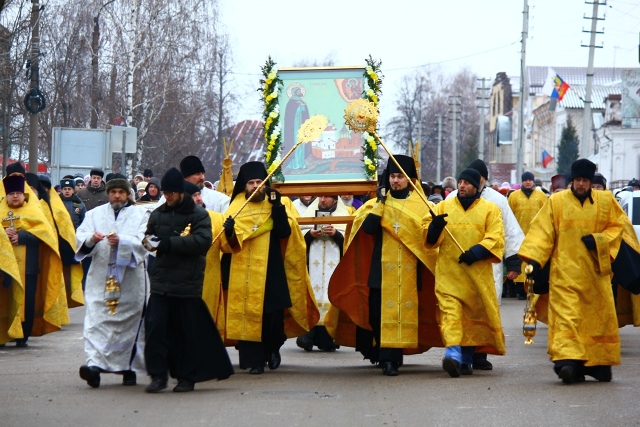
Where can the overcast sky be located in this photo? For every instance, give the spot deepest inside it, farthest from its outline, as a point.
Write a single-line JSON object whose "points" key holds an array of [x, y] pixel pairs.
{"points": [[408, 35]]}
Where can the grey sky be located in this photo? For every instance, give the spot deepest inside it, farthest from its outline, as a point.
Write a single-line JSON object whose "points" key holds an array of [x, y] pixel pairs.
{"points": [[408, 35]]}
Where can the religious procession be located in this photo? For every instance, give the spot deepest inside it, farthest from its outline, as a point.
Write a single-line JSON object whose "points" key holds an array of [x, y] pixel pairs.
{"points": [[173, 274]]}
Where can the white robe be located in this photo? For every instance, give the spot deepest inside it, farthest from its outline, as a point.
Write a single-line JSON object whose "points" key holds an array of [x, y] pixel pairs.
{"points": [[324, 256], [301, 207], [513, 235], [109, 339], [215, 200]]}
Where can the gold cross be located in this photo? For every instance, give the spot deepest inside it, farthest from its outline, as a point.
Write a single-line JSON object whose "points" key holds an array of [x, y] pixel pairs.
{"points": [[10, 218]]}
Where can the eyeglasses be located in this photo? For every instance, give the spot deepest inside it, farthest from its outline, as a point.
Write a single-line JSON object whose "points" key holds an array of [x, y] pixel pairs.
{"points": [[169, 193]]}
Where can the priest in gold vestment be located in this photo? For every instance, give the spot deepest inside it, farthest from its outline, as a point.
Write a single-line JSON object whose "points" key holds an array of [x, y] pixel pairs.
{"points": [[469, 313], [269, 298], [384, 285], [35, 247], [525, 204], [579, 231]]}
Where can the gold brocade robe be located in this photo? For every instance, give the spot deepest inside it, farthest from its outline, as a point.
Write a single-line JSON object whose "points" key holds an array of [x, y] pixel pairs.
{"points": [[73, 274], [212, 287], [50, 308], [247, 278], [11, 298], [408, 317], [582, 316], [525, 209], [469, 312], [62, 295]]}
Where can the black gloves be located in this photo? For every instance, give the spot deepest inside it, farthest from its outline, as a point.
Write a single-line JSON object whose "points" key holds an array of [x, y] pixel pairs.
{"points": [[435, 228], [274, 196], [468, 258], [589, 241], [439, 221], [381, 192], [371, 224], [228, 226], [164, 246]]}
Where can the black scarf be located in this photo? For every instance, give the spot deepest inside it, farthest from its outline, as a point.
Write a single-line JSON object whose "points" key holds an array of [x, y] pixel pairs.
{"points": [[466, 202], [528, 191], [400, 194]]}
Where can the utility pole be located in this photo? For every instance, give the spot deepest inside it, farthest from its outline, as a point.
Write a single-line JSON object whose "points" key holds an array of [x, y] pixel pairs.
{"points": [[585, 142], [34, 85], [95, 46], [454, 134], [7, 85], [523, 86], [482, 98], [439, 152]]}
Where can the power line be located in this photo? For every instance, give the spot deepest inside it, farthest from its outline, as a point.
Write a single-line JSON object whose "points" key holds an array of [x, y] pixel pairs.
{"points": [[454, 59]]}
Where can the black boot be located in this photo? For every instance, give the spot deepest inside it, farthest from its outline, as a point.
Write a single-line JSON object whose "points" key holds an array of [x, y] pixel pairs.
{"points": [[158, 383], [304, 342], [129, 378], [600, 372], [389, 369], [451, 366], [481, 363], [274, 360], [91, 374], [569, 371], [184, 386]]}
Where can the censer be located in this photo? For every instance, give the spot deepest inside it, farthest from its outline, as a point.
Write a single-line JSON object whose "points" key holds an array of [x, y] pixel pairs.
{"points": [[112, 293], [530, 319]]}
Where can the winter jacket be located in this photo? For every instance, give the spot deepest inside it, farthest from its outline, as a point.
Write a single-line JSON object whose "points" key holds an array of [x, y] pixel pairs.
{"points": [[76, 209], [93, 197], [179, 266], [147, 197]]}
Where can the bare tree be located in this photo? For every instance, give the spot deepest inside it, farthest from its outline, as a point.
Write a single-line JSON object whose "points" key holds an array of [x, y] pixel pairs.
{"points": [[423, 97]]}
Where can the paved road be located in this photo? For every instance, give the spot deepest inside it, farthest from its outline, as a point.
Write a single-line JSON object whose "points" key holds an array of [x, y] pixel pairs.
{"points": [[40, 386]]}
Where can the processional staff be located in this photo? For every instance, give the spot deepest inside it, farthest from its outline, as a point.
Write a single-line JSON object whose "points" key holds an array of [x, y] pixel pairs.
{"points": [[310, 130], [362, 116]]}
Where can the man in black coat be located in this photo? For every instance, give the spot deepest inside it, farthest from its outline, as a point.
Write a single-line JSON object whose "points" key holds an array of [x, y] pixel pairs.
{"points": [[72, 202], [181, 336]]}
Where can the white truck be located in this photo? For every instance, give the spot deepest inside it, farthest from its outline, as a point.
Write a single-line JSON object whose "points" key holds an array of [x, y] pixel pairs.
{"points": [[630, 202]]}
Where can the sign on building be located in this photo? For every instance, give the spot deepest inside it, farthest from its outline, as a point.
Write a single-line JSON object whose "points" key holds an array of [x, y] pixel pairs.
{"points": [[631, 98]]}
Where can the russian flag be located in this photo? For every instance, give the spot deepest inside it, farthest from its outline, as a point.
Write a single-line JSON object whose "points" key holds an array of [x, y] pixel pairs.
{"points": [[546, 158], [555, 86]]}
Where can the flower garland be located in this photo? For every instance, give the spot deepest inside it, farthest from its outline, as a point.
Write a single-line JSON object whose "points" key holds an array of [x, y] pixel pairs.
{"points": [[270, 89], [373, 77]]}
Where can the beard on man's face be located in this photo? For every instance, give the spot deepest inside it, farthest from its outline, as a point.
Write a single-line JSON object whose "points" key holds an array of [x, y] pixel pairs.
{"points": [[116, 206]]}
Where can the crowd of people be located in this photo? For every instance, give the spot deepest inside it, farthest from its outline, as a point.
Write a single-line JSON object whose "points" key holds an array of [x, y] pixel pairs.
{"points": [[172, 272]]}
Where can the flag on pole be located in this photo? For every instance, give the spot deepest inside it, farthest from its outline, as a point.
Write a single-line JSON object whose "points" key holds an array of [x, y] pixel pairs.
{"points": [[555, 86], [546, 158]]}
